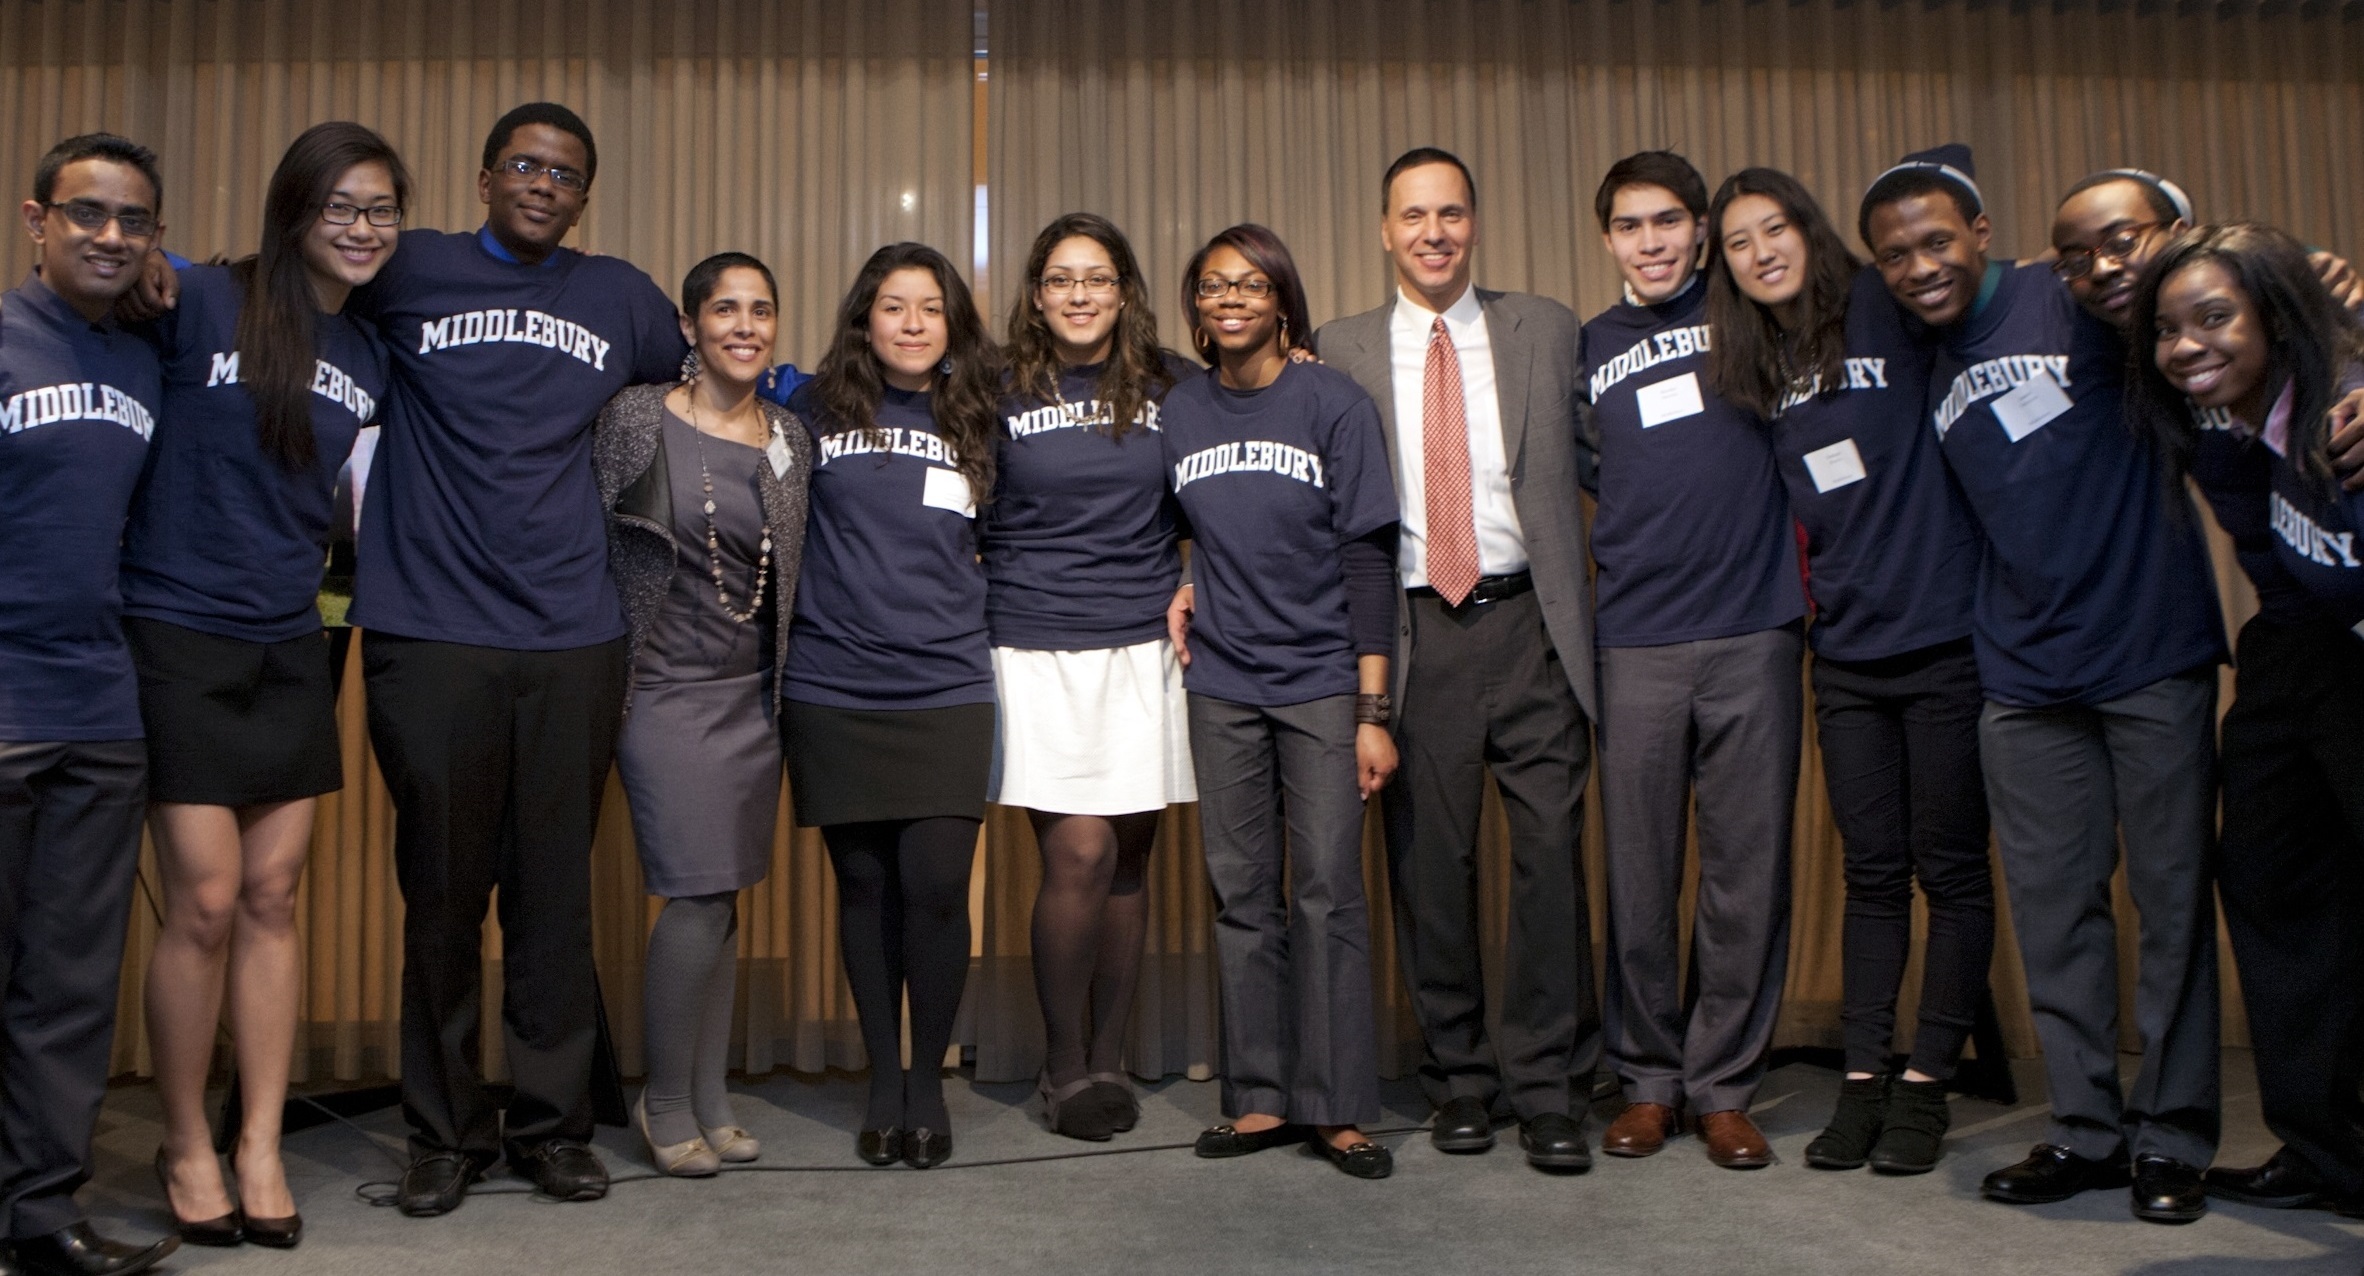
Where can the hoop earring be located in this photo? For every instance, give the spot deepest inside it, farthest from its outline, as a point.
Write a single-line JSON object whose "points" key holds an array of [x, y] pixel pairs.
{"points": [[1199, 341]]}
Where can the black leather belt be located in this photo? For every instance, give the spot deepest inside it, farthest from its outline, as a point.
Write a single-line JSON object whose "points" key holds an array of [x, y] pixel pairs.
{"points": [[1489, 589]]}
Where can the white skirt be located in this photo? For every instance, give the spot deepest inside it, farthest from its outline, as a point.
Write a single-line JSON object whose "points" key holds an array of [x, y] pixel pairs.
{"points": [[1091, 732]]}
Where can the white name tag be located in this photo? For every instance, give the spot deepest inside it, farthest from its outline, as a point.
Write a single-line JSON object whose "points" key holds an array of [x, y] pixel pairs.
{"points": [[948, 490], [2029, 406], [1835, 466], [1669, 400], [778, 454]]}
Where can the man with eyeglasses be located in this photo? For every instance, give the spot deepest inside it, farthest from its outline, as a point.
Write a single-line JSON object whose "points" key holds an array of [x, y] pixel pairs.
{"points": [[78, 398], [2097, 637], [1480, 400]]}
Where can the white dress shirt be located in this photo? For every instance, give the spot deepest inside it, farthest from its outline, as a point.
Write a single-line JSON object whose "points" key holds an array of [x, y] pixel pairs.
{"points": [[1502, 548]]}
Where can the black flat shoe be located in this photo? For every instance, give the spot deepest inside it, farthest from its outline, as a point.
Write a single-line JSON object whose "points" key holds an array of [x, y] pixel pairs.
{"points": [[1076, 1109], [2167, 1191], [1363, 1159], [880, 1147], [2051, 1173], [1462, 1126], [220, 1232], [1115, 1092], [563, 1169], [436, 1183], [1219, 1142], [80, 1251], [2284, 1182], [925, 1149]]}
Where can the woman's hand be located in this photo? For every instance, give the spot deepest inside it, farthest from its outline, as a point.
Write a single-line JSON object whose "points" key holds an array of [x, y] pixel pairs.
{"points": [[1374, 759], [2346, 443], [1178, 623]]}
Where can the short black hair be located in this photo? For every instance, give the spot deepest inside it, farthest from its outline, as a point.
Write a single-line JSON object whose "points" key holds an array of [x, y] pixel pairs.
{"points": [[2162, 204], [1899, 184], [106, 146], [706, 276], [1652, 168], [552, 114], [1417, 157]]}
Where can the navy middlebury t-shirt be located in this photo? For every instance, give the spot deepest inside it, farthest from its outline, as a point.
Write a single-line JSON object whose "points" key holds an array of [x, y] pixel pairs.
{"points": [[483, 523], [78, 406], [2234, 471], [1691, 533], [890, 606], [2095, 582], [1891, 550], [1271, 483], [1080, 540], [223, 538]]}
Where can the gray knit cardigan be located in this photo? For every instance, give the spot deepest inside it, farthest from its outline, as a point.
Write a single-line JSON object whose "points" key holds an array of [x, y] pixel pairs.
{"points": [[636, 491]]}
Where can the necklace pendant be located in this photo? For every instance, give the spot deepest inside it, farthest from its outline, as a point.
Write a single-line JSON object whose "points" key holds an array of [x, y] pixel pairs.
{"points": [[709, 507]]}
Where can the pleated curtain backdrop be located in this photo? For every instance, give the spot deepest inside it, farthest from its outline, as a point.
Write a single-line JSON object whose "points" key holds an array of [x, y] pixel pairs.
{"points": [[809, 134]]}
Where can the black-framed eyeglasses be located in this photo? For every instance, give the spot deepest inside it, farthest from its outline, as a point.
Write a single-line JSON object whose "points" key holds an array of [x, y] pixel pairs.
{"points": [[529, 168], [1096, 284], [347, 214], [2077, 263], [136, 223], [1255, 289]]}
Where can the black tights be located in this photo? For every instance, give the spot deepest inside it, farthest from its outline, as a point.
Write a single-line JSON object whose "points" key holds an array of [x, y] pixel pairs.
{"points": [[903, 923], [1089, 919]]}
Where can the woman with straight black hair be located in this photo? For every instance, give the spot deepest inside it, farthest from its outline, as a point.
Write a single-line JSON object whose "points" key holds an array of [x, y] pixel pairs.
{"points": [[888, 719], [1081, 559], [2242, 352], [266, 385], [1807, 338], [704, 487], [1280, 471]]}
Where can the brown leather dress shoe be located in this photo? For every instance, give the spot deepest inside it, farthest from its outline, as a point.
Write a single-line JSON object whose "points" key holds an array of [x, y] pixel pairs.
{"points": [[1640, 1130], [1733, 1141]]}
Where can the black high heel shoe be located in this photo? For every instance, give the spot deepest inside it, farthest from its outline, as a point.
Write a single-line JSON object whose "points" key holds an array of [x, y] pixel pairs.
{"points": [[925, 1149], [880, 1147], [276, 1233], [221, 1232]]}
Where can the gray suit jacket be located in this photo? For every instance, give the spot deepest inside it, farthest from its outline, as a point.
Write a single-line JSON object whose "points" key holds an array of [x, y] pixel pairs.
{"points": [[1538, 379]]}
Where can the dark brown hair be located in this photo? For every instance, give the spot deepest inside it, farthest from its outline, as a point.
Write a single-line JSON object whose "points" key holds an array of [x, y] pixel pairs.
{"points": [[1136, 371], [1751, 361], [1264, 251], [1663, 169], [1417, 157], [966, 400], [276, 356]]}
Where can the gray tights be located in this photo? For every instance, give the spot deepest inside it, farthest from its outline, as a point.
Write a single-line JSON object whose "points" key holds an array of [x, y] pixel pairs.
{"points": [[692, 973]]}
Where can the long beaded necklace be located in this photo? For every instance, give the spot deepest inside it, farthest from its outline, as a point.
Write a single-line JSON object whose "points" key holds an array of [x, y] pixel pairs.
{"points": [[763, 557]]}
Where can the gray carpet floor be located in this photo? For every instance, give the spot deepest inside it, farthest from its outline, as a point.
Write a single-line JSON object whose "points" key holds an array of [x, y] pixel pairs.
{"points": [[1145, 1205]]}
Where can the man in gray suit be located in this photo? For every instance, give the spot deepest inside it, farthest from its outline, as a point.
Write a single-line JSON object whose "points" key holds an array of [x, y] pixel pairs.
{"points": [[1479, 394]]}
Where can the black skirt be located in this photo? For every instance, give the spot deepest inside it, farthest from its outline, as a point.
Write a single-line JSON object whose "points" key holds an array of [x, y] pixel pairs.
{"points": [[855, 766], [232, 722]]}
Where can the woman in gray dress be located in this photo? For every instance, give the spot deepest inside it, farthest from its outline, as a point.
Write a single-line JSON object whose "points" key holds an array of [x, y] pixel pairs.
{"points": [[704, 485]]}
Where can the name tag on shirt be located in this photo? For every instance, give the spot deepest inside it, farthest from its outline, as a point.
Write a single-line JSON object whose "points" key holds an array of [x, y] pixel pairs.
{"points": [[1835, 466], [2031, 405], [1669, 400], [948, 490], [777, 452]]}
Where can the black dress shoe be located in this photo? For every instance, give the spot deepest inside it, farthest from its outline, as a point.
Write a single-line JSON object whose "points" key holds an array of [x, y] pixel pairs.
{"points": [[2167, 1191], [880, 1147], [220, 1231], [435, 1183], [80, 1251], [563, 1169], [1362, 1158], [276, 1233], [925, 1149], [1462, 1125], [1555, 1141], [1223, 1141], [2284, 1182], [2051, 1173]]}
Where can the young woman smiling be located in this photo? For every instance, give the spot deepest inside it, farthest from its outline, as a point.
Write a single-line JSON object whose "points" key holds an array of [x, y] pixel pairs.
{"points": [[1281, 470], [267, 382], [1081, 557], [889, 689], [1808, 339], [704, 487]]}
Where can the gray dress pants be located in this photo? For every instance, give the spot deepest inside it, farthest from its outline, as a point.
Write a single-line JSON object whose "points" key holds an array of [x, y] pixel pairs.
{"points": [[1282, 825], [1720, 718], [2063, 783]]}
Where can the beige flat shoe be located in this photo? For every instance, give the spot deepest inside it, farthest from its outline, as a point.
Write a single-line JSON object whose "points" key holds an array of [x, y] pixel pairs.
{"points": [[689, 1159], [733, 1144]]}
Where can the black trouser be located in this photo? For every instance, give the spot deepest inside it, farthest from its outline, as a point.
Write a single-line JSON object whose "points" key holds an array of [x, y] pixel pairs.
{"points": [[496, 761], [2292, 877], [1485, 691], [69, 844], [1899, 740]]}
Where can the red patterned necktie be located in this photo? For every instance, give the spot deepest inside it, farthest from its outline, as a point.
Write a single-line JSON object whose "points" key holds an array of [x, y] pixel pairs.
{"points": [[1444, 456]]}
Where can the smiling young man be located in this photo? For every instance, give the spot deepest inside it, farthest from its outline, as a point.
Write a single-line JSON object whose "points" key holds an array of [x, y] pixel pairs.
{"points": [[78, 400], [1479, 397], [2097, 637], [495, 647], [1698, 610]]}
